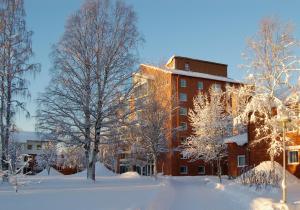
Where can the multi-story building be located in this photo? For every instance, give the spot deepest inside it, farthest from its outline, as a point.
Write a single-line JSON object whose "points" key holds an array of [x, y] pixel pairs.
{"points": [[183, 79]]}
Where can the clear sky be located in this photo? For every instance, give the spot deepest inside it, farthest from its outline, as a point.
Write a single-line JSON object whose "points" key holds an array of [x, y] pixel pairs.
{"points": [[213, 30]]}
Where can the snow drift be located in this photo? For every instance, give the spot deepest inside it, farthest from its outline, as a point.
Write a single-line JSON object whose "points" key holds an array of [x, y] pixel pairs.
{"points": [[53, 172], [100, 170], [261, 174], [130, 175]]}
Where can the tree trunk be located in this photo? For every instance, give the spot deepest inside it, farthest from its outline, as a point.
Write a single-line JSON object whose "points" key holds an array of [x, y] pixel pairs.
{"points": [[155, 167], [219, 169], [2, 125]]}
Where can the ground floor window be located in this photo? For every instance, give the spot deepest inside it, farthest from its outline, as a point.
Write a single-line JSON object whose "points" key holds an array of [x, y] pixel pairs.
{"points": [[201, 170], [183, 170], [293, 157], [241, 159]]}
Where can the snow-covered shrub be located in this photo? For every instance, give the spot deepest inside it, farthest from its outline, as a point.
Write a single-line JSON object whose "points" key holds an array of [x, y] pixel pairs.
{"points": [[259, 178]]}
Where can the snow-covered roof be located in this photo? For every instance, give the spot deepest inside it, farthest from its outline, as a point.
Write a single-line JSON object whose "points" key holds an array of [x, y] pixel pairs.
{"points": [[193, 74], [24, 136], [240, 139]]}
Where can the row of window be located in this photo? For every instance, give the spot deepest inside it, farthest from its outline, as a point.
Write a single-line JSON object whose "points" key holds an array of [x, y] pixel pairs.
{"points": [[293, 158], [183, 84], [38, 146], [184, 170]]}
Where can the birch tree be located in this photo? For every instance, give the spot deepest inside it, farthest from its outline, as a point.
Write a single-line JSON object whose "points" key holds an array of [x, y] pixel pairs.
{"points": [[272, 89], [211, 123], [15, 53], [154, 110], [92, 65]]}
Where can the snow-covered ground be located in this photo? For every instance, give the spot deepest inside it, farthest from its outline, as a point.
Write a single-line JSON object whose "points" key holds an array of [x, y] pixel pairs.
{"points": [[133, 192]]}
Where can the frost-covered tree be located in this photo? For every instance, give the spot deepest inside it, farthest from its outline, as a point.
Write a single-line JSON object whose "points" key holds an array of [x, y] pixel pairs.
{"points": [[15, 54], [154, 109], [92, 65], [211, 123], [272, 89], [48, 157]]}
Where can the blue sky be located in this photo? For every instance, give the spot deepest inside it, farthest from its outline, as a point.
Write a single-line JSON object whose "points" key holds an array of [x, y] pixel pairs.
{"points": [[213, 30]]}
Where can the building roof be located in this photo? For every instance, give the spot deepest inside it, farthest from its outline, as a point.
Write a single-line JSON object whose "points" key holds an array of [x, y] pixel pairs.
{"points": [[193, 74], [240, 139], [176, 56], [24, 136]]}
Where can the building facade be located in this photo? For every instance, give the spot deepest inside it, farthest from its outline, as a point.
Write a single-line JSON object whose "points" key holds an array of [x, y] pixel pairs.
{"points": [[183, 79]]}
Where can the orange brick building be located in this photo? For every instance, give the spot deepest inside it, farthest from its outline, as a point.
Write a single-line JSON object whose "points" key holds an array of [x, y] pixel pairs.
{"points": [[184, 78]]}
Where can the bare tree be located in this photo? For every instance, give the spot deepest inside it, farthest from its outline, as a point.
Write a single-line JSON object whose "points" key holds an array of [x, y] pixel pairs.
{"points": [[273, 71], [48, 157], [15, 53], [154, 110], [92, 68], [211, 123]]}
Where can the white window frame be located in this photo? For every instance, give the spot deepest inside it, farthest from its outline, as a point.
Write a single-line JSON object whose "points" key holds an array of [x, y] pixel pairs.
{"points": [[184, 113], [200, 82], [292, 163], [183, 97], [183, 83], [238, 161], [186, 172], [203, 173]]}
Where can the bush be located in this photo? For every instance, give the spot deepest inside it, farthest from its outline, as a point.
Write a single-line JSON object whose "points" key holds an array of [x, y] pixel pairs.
{"points": [[259, 179]]}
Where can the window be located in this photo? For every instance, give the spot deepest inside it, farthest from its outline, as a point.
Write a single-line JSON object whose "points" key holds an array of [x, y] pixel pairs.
{"points": [[293, 157], [241, 160], [200, 85], [183, 126], [183, 111], [201, 170], [183, 157], [217, 86], [182, 97], [182, 140], [38, 146], [183, 170], [182, 83], [186, 66], [29, 147]]}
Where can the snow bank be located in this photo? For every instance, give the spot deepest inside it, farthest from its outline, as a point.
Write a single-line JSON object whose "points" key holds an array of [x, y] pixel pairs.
{"points": [[267, 166], [53, 172], [130, 175], [100, 170]]}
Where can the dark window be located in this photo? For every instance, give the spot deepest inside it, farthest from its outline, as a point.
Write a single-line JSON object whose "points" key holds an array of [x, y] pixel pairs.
{"points": [[29, 147], [241, 160], [201, 170], [38, 146], [183, 111], [183, 169], [293, 157], [183, 126]]}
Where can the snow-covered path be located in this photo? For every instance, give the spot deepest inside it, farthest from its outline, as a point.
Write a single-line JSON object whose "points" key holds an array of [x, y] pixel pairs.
{"points": [[135, 193], [194, 194]]}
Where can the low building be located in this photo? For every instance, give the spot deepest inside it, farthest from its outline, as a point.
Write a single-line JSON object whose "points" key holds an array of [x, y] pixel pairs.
{"points": [[29, 145]]}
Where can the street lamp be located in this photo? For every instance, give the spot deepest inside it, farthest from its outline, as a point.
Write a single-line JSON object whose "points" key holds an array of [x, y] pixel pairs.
{"points": [[284, 119]]}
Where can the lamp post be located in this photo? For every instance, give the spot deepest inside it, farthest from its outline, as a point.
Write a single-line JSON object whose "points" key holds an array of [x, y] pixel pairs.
{"points": [[284, 119]]}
